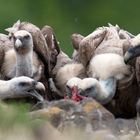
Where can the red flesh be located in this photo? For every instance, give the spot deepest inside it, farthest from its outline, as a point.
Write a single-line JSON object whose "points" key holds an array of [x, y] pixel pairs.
{"points": [[75, 96]]}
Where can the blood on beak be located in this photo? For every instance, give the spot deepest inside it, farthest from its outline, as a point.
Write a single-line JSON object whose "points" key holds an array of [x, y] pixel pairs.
{"points": [[75, 95]]}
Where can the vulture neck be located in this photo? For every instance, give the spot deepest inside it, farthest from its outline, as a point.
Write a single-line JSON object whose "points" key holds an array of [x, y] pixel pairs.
{"points": [[106, 90], [24, 64], [5, 91]]}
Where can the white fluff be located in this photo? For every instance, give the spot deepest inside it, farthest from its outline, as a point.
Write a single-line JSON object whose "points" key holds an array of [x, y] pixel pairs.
{"points": [[108, 65], [67, 72]]}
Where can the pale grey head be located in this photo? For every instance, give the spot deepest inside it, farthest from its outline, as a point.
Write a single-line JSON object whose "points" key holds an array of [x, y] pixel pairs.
{"points": [[23, 41], [25, 86], [101, 90]]}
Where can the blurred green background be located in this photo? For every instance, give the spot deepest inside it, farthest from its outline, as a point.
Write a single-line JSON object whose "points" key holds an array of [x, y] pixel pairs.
{"points": [[70, 16]]}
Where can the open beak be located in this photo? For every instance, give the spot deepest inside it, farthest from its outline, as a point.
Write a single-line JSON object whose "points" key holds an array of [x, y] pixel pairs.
{"points": [[132, 53]]}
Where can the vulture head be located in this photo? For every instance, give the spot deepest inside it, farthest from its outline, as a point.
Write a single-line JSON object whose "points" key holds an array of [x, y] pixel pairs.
{"points": [[23, 41], [102, 90], [132, 53], [25, 86], [134, 49]]}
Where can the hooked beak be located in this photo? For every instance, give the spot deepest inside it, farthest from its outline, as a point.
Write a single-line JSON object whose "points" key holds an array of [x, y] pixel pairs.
{"points": [[39, 88], [18, 43], [132, 53], [35, 94]]}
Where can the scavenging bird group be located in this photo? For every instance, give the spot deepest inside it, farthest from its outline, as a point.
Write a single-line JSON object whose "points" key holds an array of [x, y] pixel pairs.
{"points": [[104, 66]]}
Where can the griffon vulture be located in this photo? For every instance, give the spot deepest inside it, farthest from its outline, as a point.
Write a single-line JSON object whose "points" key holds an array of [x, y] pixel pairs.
{"points": [[103, 89], [17, 57], [124, 101], [20, 60], [64, 70], [40, 46], [40, 52]]}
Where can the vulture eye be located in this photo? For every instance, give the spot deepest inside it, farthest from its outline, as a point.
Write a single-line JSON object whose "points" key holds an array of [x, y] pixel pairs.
{"points": [[22, 84], [89, 89], [13, 37], [26, 37]]}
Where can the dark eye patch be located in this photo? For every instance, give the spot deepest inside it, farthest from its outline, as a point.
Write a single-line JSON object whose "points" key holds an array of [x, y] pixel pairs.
{"points": [[23, 84], [26, 37], [90, 89], [87, 91]]}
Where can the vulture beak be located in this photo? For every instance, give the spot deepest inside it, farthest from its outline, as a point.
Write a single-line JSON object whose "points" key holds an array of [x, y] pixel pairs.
{"points": [[75, 95], [35, 94], [39, 87], [18, 43], [132, 53]]}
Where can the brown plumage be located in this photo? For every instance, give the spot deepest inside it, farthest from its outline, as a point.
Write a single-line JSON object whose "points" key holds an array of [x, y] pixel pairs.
{"points": [[52, 43], [64, 70], [40, 48], [127, 94], [76, 39], [17, 57]]}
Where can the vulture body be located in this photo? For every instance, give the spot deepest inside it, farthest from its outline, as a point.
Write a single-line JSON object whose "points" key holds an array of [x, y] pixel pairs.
{"points": [[103, 89], [64, 70], [40, 55], [40, 46], [127, 93], [62, 67], [20, 59]]}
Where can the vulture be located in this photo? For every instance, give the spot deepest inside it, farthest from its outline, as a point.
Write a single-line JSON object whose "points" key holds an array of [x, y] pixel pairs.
{"points": [[103, 89], [64, 70], [98, 52], [62, 67], [40, 47], [38, 55], [17, 58], [20, 60], [21, 86]]}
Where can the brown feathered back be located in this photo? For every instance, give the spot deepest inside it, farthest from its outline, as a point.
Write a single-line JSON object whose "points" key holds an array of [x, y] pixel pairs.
{"points": [[52, 43], [40, 46]]}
